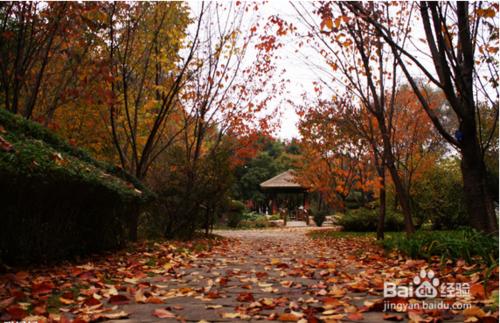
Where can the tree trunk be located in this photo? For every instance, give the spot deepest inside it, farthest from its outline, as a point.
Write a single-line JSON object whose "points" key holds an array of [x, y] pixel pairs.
{"points": [[403, 199], [477, 198], [401, 193], [382, 207]]}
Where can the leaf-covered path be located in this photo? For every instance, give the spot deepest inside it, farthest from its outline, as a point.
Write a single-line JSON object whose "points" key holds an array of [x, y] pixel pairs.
{"points": [[284, 275], [279, 275], [271, 275]]}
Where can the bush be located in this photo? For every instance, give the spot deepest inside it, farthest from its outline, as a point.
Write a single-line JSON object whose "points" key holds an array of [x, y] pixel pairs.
{"points": [[56, 200], [438, 198], [365, 220], [235, 213], [274, 217], [319, 217], [258, 222], [251, 216], [461, 244]]}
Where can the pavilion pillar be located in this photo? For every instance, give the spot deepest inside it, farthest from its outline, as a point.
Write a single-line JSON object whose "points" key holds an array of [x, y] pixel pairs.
{"points": [[274, 204]]}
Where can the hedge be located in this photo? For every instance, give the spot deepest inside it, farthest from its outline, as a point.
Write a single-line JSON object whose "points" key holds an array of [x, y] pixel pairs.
{"points": [[55, 200], [366, 220]]}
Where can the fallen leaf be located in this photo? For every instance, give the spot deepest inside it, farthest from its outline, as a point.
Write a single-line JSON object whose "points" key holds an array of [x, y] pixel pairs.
{"points": [[16, 313], [113, 316], [230, 315], [139, 297], [392, 317], [35, 318], [163, 313], [374, 305], [154, 300], [355, 316], [288, 317], [213, 295], [245, 297], [91, 302], [6, 302], [119, 299], [477, 291], [474, 311]]}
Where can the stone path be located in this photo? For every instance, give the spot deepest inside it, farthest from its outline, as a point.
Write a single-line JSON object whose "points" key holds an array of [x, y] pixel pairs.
{"points": [[293, 224], [273, 275]]}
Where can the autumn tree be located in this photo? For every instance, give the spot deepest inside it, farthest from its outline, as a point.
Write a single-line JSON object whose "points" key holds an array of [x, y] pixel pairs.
{"points": [[146, 76], [417, 145], [44, 47], [364, 126], [223, 95], [363, 66], [335, 162], [462, 40]]}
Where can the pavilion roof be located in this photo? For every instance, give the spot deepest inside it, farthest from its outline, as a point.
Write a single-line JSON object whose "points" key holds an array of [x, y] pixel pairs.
{"points": [[283, 180]]}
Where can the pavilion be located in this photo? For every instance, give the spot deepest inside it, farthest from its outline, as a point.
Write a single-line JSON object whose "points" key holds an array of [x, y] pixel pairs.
{"points": [[283, 190]]}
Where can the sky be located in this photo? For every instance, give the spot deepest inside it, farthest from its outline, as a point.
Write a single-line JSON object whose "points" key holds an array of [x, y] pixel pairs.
{"points": [[301, 76], [297, 62], [293, 59], [301, 73]]}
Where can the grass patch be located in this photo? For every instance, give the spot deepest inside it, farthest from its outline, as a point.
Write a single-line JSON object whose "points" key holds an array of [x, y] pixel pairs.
{"points": [[332, 234], [467, 244]]}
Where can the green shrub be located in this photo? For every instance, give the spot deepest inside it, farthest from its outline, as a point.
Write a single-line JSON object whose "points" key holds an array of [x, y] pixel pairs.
{"points": [[250, 216], [319, 217], [333, 234], [235, 213], [365, 220], [275, 217], [461, 244], [56, 200], [438, 198], [259, 222]]}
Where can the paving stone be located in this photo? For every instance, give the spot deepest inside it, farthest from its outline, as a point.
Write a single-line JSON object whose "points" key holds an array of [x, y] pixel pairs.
{"points": [[262, 256]]}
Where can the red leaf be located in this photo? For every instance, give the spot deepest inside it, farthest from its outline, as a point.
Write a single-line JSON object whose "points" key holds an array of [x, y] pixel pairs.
{"points": [[355, 316], [163, 313], [16, 313], [154, 300], [6, 302], [245, 297], [392, 317], [68, 295], [477, 290], [213, 295], [42, 288], [119, 299], [91, 302], [288, 317]]}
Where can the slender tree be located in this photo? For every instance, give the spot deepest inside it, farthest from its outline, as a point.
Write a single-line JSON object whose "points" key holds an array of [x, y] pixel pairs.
{"points": [[361, 64], [462, 39]]}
